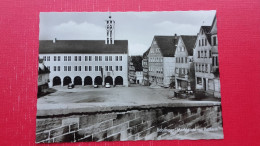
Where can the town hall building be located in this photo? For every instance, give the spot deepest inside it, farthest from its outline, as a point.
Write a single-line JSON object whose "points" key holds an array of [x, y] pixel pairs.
{"points": [[87, 62]]}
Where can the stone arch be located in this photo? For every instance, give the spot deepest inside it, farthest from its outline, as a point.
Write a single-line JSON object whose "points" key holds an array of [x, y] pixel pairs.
{"points": [[66, 80], [88, 80], [119, 80], [98, 80], [56, 81], [77, 80], [109, 80]]}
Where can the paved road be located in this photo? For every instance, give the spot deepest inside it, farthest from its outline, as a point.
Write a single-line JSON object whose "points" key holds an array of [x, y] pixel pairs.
{"points": [[116, 95]]}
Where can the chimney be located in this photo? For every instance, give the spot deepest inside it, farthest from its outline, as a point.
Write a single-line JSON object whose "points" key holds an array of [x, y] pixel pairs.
{"points": [[54, 40]]}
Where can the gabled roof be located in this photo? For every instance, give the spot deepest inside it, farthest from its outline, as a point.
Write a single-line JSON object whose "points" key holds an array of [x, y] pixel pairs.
{"points": [[83, 46], [42, 69], [189, 42], [146, 52], [207, 30], [214, 31], [167, 45]]}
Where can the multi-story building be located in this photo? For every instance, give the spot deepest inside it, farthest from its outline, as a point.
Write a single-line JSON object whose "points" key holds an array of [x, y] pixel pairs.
{"points": [[87, 62], [184, 69], [132, 76], [145, 68], [161, 60], [139, 77], [215, 64], [206, 60], [43, 77]]}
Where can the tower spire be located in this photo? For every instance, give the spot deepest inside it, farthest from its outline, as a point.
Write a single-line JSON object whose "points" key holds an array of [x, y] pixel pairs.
{"points": [[110, 28]]}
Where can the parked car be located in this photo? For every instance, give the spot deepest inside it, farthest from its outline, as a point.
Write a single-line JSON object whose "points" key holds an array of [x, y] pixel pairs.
{"points": [[70, 86], [95, 86], [107, 85]]}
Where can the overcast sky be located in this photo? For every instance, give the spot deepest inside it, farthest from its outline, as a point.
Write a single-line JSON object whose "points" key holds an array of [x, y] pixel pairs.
{"points": [[136, 27]]}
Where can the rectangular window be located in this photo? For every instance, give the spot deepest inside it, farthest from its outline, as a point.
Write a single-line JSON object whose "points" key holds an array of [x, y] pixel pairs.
{"points": [[209, 53], [199, 42], [186, 60], [75, 68], [65, 68], [100, 58], [79, 58], [201, 53], [110, 68], [65, 58], [79, 67], [86, 68], [116, 68], [110, 58], [120, 58], [54, 58], [198, 54], [181, 59], [90, 58], [69, 68], [90, 68], [199, 81], [96, 68], [96, 58], [205, 42], [106, 58], [205, 56], [202, 42], [75, 58], [58, 68], [214, 41], [106, 68], [120, 68], [116, 58], [206, 68], [216, 60], [213, 61], [100, 68], [58, 58], [54, 68], [48, 58], [86, 58], [44, 58], [69, 58]]}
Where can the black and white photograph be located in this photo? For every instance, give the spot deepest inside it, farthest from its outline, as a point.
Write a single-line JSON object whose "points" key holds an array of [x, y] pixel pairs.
{"points": [[128, 76]]}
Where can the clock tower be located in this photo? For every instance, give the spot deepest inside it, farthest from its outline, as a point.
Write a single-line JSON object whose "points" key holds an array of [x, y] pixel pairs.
{"points": [[110, 27]]}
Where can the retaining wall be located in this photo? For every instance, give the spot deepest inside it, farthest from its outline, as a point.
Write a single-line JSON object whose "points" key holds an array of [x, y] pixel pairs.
{"points": [[135, 124]]}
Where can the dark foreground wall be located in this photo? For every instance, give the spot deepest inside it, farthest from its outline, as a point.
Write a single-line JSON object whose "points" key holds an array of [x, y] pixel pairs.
{"points": [[142, 124]]}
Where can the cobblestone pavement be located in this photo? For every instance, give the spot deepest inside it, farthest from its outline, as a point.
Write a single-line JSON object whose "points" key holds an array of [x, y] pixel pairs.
{"points": [[134, 95]]}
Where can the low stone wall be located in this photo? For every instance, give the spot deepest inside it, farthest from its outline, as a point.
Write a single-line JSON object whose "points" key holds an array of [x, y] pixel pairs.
{"points": [[135, 124]]}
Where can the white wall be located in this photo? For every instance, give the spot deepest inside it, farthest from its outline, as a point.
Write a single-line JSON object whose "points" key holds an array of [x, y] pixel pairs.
{"points": [[43, 79], [168, 69], [84, 63]]}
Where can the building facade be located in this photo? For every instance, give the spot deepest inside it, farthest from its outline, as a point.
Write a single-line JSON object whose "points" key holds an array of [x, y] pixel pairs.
{"points": [[131, 75], [87, 62], [145, 68], [139, 77], [43, 77], [161, 60], [184, 69], [206, 60]]}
